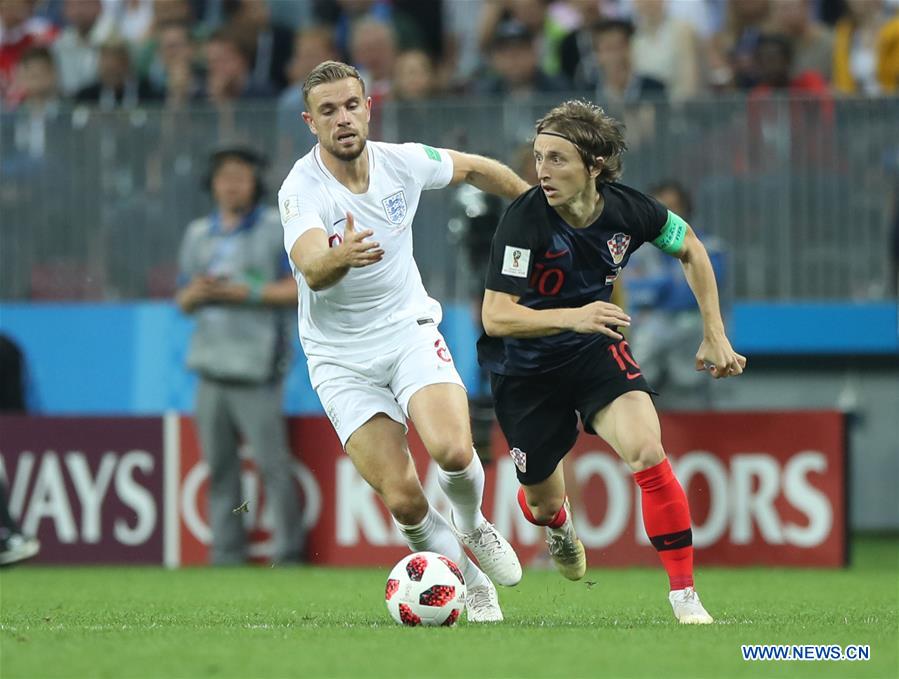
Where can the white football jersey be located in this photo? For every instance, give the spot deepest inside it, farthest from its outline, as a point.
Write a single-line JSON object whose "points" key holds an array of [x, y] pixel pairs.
{"points": [[368, 300]]}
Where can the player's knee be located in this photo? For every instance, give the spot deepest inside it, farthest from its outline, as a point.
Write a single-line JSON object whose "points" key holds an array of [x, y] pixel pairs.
{"points": [[646, 456], [453, 456], [408, 507], [546, 510]]}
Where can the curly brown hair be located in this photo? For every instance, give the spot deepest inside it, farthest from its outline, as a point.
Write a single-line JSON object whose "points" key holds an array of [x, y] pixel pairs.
{"points": [[593, 133]]}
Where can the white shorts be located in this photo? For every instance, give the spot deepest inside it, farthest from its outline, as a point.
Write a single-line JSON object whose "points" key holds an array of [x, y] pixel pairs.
{"points": [[354, 388]]}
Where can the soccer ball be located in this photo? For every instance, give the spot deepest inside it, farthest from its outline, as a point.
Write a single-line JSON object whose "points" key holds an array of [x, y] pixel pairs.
{"points": [[425, 589]]}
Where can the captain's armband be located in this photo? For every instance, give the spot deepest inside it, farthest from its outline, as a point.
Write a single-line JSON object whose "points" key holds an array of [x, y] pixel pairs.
{"points": [[672, 237]]}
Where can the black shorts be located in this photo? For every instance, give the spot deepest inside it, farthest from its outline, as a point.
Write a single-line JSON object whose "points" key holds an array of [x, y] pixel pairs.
{"points": [[539, 413]]}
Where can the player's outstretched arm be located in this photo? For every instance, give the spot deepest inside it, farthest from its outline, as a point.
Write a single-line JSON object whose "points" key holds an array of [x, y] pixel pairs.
{"points": [[486, 174], [502, 316], [323, 266], [715, 352]]}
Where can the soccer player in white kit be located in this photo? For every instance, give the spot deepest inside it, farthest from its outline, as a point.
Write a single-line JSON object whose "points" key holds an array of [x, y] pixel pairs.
{"points": [[369, 328]]}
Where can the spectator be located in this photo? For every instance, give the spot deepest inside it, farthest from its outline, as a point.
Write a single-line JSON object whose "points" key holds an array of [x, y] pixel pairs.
{"points": [[775, 66], [133, 20], [228, 76], [462, 57], [515, 67], [618, 83], [802, 138], [343, 15], [812, 40], [34, 152], [705, 17], [117, 85], [173, 70], [236, 282], [731, 55], [666, 50], [373, 48], [414, 76], [667, 321], [548, 22], [14, 546], [19, 30], [414, 83], [77, 50], [311, 47], [270, 44], [576, 53], [147, 61], [37, 77], [866, 50], [426, 20], [12, 381]]}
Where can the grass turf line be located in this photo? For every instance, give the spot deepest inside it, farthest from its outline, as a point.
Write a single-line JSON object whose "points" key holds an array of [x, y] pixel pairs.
{"points": [[315, 622]]}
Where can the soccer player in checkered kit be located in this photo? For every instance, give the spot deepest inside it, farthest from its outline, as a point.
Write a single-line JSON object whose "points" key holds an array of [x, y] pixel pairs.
{"points": [[552, 344], [369, 328]]}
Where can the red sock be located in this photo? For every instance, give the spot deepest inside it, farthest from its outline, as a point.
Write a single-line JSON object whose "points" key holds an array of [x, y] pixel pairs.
{"points": [[666, 517], [556, 522]]}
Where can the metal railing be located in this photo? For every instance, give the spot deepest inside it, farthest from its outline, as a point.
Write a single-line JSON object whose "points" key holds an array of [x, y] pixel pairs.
{"points": [[93, 204]]}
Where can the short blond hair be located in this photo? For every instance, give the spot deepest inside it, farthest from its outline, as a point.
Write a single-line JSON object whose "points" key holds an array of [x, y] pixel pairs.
{"points": [[329, 72]]}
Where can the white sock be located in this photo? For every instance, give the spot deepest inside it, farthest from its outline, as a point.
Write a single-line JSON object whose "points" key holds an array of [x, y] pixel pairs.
{"points": [[434, 534], [465, 491]]}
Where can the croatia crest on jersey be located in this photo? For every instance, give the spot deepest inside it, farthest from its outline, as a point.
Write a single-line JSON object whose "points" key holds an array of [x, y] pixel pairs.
{"points": [[395, 207], [618, 245]]}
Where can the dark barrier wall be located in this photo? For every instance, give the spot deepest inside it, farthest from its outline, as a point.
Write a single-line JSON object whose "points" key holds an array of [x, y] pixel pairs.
{"points": [[765, 488]]}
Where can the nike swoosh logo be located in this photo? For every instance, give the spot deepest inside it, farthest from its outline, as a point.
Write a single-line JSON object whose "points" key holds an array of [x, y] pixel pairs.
{"points": [[555, 255], [668, 543], [633, 377], [339, 220]]}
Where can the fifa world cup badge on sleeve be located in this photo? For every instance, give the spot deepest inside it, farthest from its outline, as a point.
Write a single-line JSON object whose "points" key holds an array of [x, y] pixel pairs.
{"points": [[290, 208], [515, 262]]}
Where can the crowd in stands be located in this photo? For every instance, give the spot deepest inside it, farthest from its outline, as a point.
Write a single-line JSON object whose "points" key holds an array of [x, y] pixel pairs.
{"points": [[176, 70], [121, 53]]}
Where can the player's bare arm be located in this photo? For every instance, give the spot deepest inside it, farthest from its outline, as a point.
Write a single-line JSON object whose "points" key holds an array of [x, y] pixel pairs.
{"points": [[502, 316], [323, 266], [715, 350], [486, 174]]}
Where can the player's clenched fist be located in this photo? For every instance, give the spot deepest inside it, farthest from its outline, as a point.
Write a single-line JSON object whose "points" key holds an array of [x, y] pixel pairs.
{"points": [[596, 317], [355, 250], [718, 357]]}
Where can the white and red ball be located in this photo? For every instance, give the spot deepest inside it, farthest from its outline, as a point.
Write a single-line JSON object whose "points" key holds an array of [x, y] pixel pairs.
{"points": [[425, 589]]}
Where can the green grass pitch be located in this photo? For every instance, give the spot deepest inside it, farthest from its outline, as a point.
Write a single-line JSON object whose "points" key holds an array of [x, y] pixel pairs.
{"points": [[316, 622]]}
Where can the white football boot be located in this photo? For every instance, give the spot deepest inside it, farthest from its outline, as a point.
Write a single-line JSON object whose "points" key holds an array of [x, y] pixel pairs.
{"points": [[687, 608], [16, 547], [493, 552], [482, 603]]}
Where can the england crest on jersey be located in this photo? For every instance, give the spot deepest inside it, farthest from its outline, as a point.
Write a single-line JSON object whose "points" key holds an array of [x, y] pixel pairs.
{"points": [[395, 207], [618, 245]]}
